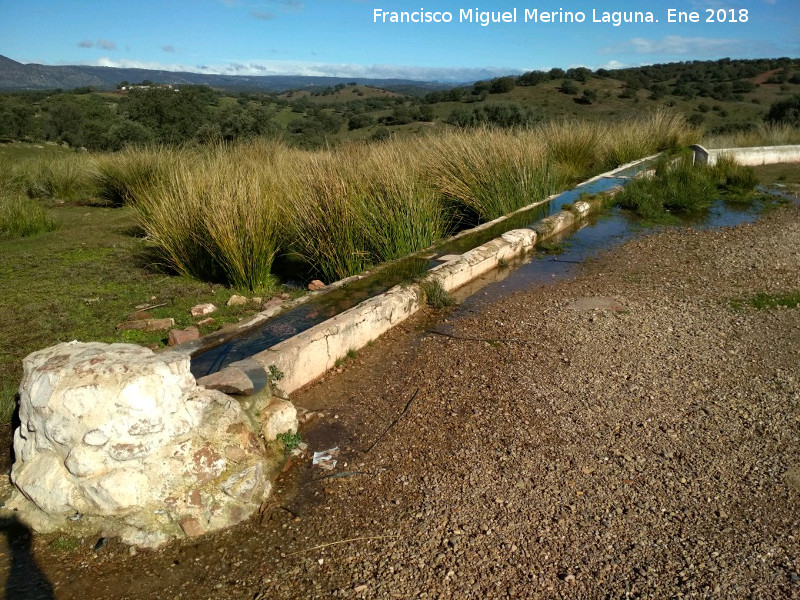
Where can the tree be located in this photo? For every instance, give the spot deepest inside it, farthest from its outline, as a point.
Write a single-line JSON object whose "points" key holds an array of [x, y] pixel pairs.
{"points": [[581, 74], [785, 111], [532, 78], [568, 87], [501, 85], [17, 118], [360, 121], [64, 121]]}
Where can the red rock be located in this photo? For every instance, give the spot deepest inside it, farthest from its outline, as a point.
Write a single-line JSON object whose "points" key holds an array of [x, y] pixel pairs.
{"points": [[229, 381], [181, 336], [274, 301], [147, 324], [140, 315], [191, 527], [316, 285]]}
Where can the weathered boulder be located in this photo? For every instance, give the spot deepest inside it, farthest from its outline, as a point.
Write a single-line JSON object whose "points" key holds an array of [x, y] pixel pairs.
{"points": [[279, 416], [115, 438]]}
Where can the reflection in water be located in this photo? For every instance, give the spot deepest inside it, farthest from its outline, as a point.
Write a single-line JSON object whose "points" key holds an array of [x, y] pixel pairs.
{"points": [[25, 579]]}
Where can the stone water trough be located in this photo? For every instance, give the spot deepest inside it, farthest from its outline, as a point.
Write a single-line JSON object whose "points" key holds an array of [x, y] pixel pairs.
{"points": [[118, 440]]}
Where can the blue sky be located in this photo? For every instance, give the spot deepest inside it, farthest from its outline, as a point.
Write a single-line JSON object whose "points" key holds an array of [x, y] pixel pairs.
{"points": [[341, 37]]}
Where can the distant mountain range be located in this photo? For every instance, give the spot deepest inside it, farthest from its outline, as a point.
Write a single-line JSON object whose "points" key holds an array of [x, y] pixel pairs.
{"points": [[17, 76]]}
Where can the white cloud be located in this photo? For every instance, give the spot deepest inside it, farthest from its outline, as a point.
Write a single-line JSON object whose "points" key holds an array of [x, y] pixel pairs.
{"points": [[613, 64], [293, 6], [319, 69], [697, 47]]}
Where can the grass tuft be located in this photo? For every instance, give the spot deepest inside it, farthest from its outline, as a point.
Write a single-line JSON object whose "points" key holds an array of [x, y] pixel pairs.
{"points": [[23, 217], [216, 218], [435, 295], [120, 178], [483, 173], [764, 301], [681, 188], [66, 178]]}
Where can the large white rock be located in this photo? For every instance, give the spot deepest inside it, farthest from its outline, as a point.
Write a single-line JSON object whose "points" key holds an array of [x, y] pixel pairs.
{"points": [[122, 440]]}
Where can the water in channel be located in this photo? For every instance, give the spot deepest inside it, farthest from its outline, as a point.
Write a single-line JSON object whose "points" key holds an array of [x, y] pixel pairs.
{"points": [[599, 231]]}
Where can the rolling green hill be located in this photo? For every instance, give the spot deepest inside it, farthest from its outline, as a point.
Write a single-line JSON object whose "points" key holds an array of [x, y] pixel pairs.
{"points": [[721, 96]]}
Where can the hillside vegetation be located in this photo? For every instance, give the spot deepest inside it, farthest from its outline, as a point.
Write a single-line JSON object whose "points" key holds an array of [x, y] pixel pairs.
{"points": [[725, 96]]}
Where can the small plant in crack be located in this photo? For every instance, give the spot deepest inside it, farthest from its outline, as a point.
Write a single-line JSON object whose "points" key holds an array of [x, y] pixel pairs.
{"points": [[351, 354], [435, 295], [551, 247], [290, 440], [275, 374]]}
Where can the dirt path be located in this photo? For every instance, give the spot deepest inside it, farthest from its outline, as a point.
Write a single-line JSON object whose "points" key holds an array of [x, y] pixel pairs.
{"points": [[537, 451]]}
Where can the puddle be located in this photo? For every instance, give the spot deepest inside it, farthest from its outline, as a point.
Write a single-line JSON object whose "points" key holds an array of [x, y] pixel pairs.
{"points": [[596, 232]]}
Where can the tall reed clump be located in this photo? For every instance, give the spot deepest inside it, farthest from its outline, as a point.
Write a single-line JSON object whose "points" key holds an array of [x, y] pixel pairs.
{"points": [[401, 213], [486, 173], [359, 206], [20, 216], [215, 216], [574, 147], [327, 229], [122, 176], [67, 178], [638, 137]]}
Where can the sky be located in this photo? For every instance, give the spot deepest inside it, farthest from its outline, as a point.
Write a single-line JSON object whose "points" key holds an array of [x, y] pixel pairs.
{"points": [[345, 38]]}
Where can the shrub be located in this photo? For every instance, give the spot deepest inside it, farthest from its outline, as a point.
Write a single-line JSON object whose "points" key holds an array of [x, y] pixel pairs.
{"points": [[785, 111]]}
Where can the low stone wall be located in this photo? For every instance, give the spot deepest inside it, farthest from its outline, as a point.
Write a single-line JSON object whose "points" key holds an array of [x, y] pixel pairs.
{"points": [[754, 156]]}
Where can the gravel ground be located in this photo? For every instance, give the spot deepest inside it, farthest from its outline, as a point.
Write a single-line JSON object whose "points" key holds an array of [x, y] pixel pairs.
{"points": [[535, 451]]}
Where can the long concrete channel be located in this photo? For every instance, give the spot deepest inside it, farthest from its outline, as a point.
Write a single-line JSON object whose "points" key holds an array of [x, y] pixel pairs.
{"points": [[307, 339]]}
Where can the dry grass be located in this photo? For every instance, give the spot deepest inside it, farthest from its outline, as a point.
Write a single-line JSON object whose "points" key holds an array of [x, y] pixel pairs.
{"points": [[485, 173], [216, 217], [765, 134], [224, 213]]}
